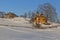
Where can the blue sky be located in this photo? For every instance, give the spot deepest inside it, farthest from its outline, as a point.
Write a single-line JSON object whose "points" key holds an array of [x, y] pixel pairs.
{"points": [[18, 6], [21, 6]]}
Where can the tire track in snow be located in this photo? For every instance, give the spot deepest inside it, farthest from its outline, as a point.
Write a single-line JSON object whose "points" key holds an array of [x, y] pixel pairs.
{"points": [[15, 30], [21, 31]]}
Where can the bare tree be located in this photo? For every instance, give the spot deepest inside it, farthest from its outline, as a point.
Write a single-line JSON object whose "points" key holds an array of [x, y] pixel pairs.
{"points": [[29, 14], [49, 11], [25, 15], [33, 15]]}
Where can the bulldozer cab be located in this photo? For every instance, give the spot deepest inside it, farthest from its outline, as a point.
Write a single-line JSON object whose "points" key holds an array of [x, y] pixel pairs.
{"points": [[40, 19]]}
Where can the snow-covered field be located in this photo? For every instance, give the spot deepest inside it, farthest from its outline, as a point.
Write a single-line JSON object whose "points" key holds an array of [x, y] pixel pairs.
{"points": [[15, 29]]}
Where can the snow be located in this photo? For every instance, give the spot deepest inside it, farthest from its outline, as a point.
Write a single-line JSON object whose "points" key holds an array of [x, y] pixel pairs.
{"points": [[15, 29]]}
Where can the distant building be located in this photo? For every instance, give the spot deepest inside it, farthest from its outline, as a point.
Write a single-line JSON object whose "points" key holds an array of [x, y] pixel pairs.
{"points": [[10, 15]]}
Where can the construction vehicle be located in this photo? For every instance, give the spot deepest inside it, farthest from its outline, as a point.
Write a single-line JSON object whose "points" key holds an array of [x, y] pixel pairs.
{"points": [[38, 20]]}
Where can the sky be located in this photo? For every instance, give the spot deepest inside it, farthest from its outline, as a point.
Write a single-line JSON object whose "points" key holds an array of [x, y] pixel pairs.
{"points": [[21, 6]]}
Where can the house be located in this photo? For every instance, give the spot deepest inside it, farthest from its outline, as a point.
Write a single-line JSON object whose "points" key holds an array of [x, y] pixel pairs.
{"points": [[10, 15]]}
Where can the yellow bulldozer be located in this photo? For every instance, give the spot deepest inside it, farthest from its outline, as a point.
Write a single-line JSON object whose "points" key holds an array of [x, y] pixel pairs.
{"points": [[38, 20]]}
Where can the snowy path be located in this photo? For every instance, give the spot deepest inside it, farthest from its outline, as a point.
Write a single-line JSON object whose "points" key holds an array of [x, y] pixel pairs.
{"points": [[6, 33]]}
